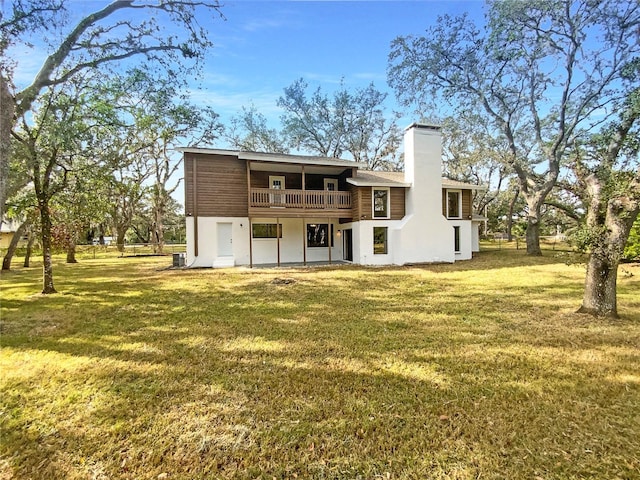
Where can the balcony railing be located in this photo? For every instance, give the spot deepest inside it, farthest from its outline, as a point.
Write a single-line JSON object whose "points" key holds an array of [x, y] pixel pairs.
{"points": [[303, 199]]}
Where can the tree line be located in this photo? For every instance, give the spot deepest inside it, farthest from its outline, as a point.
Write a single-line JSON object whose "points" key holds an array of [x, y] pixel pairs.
{"points": [[542, 99]]}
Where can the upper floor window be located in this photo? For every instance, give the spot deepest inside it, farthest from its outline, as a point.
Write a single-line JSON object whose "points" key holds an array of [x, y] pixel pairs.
{"points": [[454, 204], [380, 203]]}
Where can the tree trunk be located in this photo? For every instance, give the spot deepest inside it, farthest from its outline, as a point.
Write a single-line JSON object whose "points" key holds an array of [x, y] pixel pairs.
{"points": [[600, 286], [159, 226], [532, 235], [121, 231], [600, 295], [27, 255], [71, 252], [47, 267], [6, 261], [6, 124]]}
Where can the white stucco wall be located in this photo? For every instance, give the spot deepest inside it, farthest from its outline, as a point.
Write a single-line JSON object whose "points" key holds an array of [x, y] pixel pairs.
{"points": [[292, 243], [265, 250], [466, 242], [207, 240], [425, 235], [363, 242], [475, 236]]}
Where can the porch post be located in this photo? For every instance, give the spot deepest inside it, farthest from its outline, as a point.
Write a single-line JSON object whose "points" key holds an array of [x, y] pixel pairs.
{"points": [[195, 209], [250, 244], [248, 185], [278, 238], [304, 193], [248, 210], [329, 237], [304, 243]]}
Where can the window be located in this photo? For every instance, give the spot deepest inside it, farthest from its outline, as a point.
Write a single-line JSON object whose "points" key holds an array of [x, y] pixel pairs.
{"points": [[266, 230], [379, 240], [380, 203], [456, 239], [318, 235], [454, 205]]}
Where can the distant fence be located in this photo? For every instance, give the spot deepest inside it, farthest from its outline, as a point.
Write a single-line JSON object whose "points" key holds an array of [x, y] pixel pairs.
{"points": [[499, 241], [130, 250], [107, 251]]}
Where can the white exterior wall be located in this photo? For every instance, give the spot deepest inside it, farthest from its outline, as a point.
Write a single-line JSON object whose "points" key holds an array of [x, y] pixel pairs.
{"points": [[207, 240], [363, 242], [265, 250], [475, 236], [294, 233], [466, 241], [425, 235]]}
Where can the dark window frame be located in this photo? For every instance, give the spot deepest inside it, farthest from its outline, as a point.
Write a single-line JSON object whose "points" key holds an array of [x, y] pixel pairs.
{"points": [[384, 213], [269, 230], [458, 204], [315, 232], [456, 239], [384, 231]]}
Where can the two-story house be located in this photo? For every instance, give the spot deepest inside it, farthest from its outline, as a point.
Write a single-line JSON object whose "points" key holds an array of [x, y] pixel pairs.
{"points": [[247, 208]]}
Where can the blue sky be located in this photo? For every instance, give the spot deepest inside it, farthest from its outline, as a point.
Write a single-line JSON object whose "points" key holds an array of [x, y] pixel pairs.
{"points": [[264, 46]]}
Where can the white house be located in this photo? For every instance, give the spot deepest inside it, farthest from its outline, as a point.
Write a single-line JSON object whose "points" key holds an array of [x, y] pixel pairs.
{"points": [[248, 208]]}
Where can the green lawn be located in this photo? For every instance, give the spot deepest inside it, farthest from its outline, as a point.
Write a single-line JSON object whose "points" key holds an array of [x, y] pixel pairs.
{"points": [[475, 370]]}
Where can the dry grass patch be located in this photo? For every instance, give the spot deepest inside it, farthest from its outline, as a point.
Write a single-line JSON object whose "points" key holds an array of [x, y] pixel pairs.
{"points": [[474, 370]]}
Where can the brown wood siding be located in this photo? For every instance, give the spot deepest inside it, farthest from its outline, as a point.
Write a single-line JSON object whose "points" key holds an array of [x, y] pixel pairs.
{"points": [[466, 204], [221, 186], [362, 206], [397, 203]]}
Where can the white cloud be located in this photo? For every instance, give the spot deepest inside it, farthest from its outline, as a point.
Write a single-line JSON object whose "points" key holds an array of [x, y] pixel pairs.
{"points": [[230, 104], [264, 24]]}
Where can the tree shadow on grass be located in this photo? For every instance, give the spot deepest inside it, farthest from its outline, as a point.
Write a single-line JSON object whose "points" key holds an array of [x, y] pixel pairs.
{"points": [[236, 410]]}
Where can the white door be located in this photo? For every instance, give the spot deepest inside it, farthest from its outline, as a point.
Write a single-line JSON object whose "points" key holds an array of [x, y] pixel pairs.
{"points": [[276, 182], [331, 184], [225, 241]]}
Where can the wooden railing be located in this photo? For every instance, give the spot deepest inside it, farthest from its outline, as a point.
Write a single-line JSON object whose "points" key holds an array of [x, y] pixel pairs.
{"points": [[306, 199]]}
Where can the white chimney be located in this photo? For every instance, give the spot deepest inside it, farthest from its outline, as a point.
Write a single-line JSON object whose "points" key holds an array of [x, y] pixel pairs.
{"points": [[423, 168], [425, 235]]}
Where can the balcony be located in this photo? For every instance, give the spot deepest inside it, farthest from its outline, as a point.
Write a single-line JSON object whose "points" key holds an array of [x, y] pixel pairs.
{"points": [[299, 203]]}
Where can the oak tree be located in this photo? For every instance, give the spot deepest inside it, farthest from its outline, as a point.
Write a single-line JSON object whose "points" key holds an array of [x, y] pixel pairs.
{"points": [[607, 173], [538, 72], [165, 35], [349, 122]]}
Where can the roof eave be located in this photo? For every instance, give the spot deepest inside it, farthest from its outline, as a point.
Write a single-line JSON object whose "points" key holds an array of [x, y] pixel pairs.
{"points": [[360, 183], [276, 157], [465, 186]]}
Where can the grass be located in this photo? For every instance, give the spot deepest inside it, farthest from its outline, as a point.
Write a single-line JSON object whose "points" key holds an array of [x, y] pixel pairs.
{"points": [[475, 370]]}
